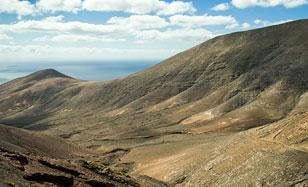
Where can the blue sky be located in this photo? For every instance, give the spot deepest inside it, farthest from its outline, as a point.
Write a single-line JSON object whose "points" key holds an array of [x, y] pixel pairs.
{"points": [[143, 30]]}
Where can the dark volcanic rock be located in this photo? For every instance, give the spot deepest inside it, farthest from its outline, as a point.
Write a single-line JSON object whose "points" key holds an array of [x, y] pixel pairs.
{"points": [[54, 179]]}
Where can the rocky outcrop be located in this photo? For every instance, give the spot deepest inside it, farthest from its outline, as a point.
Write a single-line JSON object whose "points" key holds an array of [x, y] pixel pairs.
{"points": [[34, 169]]}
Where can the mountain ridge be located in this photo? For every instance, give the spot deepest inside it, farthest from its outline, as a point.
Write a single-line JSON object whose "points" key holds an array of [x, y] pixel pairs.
{"points": [[46, 73], [244, 90]]}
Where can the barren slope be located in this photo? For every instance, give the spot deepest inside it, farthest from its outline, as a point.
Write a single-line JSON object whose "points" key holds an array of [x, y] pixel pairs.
{"points": [[35, 159], [229, 111]]}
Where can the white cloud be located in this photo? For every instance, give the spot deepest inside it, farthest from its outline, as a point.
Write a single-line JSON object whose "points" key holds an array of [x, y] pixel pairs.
{"points": [[54, 18], [140, 27], [160, 7], [176, 34], [245, 25], [5, 37], [268, 3], [176, 7], [233, 26], [139, 22], [54, 53], [118, 28], [76, 38], [56, 24], [221, 7], [21, 8], [139, 6], [139, 42], [205, 20], [262, 22], [59, 5], [265, 23]]}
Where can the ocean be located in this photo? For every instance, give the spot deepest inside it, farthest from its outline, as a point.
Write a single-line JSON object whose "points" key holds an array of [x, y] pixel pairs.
{"points": [[78, 70]]}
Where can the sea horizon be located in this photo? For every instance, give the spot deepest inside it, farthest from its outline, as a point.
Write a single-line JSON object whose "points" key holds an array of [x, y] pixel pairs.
{"points": [[92, 70]]}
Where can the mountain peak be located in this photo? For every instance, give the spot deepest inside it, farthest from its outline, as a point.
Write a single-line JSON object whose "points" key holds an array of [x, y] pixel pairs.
{"points": [[236, 101], [47, 73]]}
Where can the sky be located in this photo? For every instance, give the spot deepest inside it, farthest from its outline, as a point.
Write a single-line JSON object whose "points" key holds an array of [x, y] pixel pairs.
{"points": [[127, 30]]}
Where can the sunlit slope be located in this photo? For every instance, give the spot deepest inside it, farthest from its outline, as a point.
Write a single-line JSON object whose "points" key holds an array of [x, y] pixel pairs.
{"points": [[228, 111], [259, 74]]}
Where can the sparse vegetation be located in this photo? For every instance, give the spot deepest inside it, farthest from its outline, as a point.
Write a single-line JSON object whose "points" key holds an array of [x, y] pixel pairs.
{"points": [[228, 112]]}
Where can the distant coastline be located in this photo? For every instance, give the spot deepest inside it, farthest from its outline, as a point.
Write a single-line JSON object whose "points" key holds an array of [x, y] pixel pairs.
{"points": [[79, 70]]}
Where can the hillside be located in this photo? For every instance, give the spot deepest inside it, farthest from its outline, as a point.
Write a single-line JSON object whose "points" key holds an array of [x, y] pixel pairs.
{"points": [[35, 159], [229, 111]]}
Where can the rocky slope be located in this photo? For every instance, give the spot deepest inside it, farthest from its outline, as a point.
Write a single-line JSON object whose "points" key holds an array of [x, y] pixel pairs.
{"points": [[34, 159], [229, 111]]}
